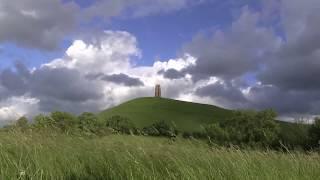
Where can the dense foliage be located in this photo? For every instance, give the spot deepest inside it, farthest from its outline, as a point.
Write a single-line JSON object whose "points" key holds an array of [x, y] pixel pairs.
{"points": [[315, 133], [121, 125], [246, 127], [160, 128], [242, 128]]}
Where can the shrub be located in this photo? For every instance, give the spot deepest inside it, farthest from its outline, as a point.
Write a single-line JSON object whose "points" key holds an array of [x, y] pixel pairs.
{"points": [[160, 128], [294, 135], [63, 120], [88, 122], [200, 135], [121, 124], [263, 130], [247, 127], [216, 133], [22, 123], [314, 133], [42, 121], [151, 131], [186, 135]]}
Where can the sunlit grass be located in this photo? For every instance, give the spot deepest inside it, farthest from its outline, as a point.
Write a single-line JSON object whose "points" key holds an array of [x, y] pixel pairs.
{"points": [[40, 156]]}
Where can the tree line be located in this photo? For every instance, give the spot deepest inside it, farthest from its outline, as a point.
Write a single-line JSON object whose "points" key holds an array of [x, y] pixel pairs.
{"points": [[243, 129]]}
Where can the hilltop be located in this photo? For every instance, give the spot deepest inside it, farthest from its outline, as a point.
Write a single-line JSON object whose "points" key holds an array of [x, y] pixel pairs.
{"points": [[189, 116], [185, 116]]}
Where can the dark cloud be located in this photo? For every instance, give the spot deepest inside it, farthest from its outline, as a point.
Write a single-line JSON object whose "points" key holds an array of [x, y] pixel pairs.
{"points": [[172, 74], [296, 65], [287, 70], [285, 102], [293, 70], [15, 83], [225, 93], [233, 53], [37, 24], [62, 83], [117, 79], [55, 88]]}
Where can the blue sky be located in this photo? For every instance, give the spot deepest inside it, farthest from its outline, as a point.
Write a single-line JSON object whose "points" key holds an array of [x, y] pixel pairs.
{"points": [[79, 55], [160, 36]]}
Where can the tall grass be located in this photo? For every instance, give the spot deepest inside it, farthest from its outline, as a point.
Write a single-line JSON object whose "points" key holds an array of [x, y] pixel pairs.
{"points": [[53, 156]]}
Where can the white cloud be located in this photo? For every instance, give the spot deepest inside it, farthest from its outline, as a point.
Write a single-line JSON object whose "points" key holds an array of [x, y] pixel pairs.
{"points": [[16, 107], [112, 52]]}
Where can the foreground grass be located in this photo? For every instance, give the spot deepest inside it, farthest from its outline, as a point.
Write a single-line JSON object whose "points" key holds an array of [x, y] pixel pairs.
{"points": [[38, 156]]}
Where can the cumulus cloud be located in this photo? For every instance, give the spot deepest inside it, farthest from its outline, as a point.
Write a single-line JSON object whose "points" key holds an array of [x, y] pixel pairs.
{"points": [[15, 107], [247, 65], [109, 52], [44, 24], [117, 78], [91, 76], [224, 93], [136, 8], [172, 74], [234, 52], [275, 71], [37, 24]]}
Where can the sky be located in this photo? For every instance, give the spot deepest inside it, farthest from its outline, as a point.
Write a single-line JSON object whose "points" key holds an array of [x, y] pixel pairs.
{"points": [[79, 55]]}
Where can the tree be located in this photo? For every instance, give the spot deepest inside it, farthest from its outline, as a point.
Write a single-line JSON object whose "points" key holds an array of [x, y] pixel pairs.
{"points": [[88, 122], [216, 133], [252, 128], [160, 128], [43, 121], [22, 123], [121, 124], [63, 120], [314, 133]]}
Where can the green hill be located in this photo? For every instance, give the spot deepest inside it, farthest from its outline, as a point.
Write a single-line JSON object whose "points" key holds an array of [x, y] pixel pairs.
{"points": [[185, 116]]}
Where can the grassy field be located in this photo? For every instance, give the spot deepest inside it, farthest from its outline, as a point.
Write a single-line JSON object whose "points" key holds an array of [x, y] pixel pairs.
{"points": [[186, 116], [44, 156]]}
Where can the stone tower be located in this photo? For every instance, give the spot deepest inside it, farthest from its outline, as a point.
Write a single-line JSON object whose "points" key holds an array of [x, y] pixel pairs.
{"points": [[157, 92]]}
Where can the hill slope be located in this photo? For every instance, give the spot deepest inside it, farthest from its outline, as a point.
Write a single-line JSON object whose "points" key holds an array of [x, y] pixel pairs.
{"points": [[186, 116]]}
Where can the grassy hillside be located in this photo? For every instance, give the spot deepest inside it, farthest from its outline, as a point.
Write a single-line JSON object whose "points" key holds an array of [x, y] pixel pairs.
{"points": [[186, 116]]}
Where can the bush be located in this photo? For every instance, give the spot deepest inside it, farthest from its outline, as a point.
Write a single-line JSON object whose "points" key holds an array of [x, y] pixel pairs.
{"points": [[216, 133], [42, 121], [314, 133], [186, 135], [160, 128], [294, 136], [122, 125], [247, 128], [151, 131], [63, 120], [22, 123], [57, 120], [88, 122]]}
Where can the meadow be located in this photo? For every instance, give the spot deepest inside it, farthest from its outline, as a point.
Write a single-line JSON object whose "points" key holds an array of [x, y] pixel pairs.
{"points": [[35, 155]]}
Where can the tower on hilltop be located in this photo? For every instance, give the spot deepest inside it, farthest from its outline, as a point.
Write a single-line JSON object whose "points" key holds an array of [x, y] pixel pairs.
{"points": [[157, 92]]}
